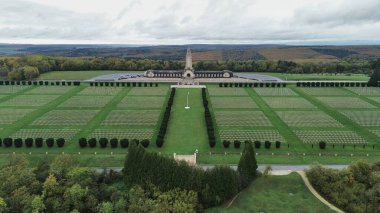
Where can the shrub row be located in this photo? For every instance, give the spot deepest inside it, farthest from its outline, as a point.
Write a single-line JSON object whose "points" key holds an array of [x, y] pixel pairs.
{"points": [[123, 84], [267, 144], [165, 120], [331, 84], [209, 122], [38, 142], [114, 142], [41, 83], [267, 84]]}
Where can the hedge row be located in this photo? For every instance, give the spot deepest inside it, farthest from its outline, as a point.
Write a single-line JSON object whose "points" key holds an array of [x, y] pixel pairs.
{"points": [[331, 84], [267, 84], [38, 142], [209, 122], [41, 83], [165, 120], [123, 84], [114, 142], [267, 144]]}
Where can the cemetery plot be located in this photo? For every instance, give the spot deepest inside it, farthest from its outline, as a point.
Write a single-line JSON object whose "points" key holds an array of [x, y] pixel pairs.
{"points": [[376, 132], [232, 102], [275, 92], [366, 91], [308, 119], [87, 101], [10, 116], [345, 102], [377, 99], [9, 89], [122, 117], [325, 91], [332, 137], [100, 91], [67, 134], [50, 90], [242, 118], [216, 91], [141, 102], [289, 103], [130, 134], [66, 117], [253, 135], [29, 100], [160, 91], [3, 96], [364, 118]]}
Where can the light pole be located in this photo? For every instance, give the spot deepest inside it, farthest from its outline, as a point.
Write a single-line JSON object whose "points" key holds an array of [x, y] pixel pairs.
{"points": [[187, 101]]}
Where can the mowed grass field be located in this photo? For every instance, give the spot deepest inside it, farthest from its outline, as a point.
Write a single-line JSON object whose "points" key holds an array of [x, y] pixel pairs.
{"points": [[348, 119], [275, 194]]}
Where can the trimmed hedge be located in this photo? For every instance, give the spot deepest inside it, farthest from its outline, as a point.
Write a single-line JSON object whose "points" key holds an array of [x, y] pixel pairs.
{"points": [[103, 142], [237, 144], [145, 143], [114, 142], [18, 142], [39, 142], [124, 143], [50, 142], [60, 142], [92, 142], [83, 142], [226, 143], [29, 142], [8, 142]]}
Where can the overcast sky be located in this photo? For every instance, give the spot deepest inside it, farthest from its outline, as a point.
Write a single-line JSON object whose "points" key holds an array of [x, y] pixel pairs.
{"points": [[190, 21]]}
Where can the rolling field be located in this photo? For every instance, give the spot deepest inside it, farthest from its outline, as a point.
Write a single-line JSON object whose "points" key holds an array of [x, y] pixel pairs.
{"points": [[275, 194], [347, 119]]}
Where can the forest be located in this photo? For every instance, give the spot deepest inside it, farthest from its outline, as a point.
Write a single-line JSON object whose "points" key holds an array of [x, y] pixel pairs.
{"points": [[149, 182], [31, 66]]}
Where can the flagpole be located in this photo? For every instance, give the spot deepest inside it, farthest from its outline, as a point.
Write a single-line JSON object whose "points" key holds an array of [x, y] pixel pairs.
{"points": [[187, 101]]}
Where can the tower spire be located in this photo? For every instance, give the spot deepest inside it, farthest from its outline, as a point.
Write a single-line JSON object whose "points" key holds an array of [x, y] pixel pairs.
{"points": [[189, 60]]}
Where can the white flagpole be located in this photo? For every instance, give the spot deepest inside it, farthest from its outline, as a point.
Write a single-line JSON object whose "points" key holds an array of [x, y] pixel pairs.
{"points": [[187, 101]]}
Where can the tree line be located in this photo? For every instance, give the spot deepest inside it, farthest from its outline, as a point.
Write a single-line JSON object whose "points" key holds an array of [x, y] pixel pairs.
{"points": [[354, 189], [31, 66]]}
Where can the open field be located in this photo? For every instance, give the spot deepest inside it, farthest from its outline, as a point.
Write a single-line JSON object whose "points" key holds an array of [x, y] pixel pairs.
{"points": [[346, 118], [275, 194]]}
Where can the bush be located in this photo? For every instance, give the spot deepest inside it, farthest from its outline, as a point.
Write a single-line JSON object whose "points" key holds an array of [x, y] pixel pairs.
{"points": [[237, 144], [267, 144], [103, 142], [124, 143], [92, 142], [8, 142], [29, 142], [39, 142], [50, 142], [322, 145], [60, 142], [83, 142], [159, 142], [257, 144], [18, 142], [226, 143], [278, 144], [145, 143], [114, 142]]}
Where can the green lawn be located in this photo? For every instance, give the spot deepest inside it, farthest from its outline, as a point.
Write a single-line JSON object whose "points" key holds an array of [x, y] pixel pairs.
{"points": [[76, 75], [187, 129], [275, 194], [317, 76]]}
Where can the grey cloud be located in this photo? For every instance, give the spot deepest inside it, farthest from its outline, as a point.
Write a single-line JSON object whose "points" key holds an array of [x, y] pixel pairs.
{"points": [[21, 19], [347, 13]]}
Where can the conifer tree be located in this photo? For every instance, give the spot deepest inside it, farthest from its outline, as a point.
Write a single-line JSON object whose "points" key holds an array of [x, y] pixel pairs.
{"points": [[247, 166]]}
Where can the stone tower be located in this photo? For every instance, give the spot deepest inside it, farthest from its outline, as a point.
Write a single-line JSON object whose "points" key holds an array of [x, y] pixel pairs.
{"points": [[188, 73]]}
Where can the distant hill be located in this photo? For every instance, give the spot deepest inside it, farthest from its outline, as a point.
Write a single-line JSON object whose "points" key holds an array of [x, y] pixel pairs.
{"points": [[201, 52]]}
